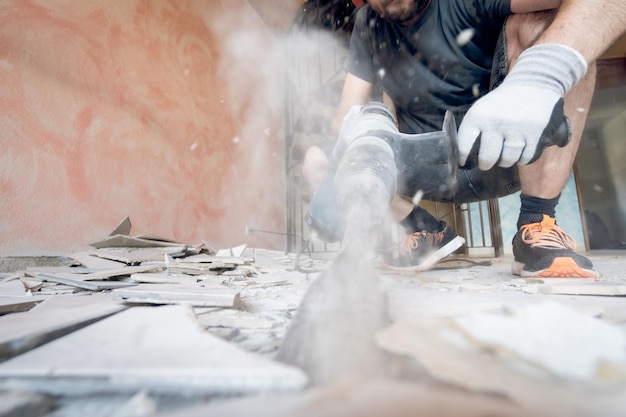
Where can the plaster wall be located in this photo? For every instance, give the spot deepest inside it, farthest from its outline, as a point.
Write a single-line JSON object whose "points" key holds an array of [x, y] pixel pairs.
{"points": [[166, 111]]}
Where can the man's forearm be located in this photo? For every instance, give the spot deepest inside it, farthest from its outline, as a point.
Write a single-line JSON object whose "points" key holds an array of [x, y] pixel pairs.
{"points": [[589, 26]]}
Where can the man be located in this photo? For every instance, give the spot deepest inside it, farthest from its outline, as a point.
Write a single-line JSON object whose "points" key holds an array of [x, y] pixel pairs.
{"points": [[429, 56]]}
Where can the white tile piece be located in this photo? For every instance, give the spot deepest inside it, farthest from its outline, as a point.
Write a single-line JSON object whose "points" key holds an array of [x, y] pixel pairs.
{"points": [[18, 304], [116, 241], [13, 288], [22, 404], [233, 318], [78, 281], [137, 255], [236, 251], [163, 278], [436, 345], [152, 348], [52, 318], [95, 262], [598, 288], [195, 295], [565, 342]]}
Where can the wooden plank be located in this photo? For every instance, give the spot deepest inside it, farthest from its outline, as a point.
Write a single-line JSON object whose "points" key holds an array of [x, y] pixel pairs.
{"points": [[195, 295], [54, 317], [147, 348]]}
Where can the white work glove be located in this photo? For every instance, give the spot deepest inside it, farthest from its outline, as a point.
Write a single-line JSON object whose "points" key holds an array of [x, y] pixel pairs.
{"points": [[514, 122]]}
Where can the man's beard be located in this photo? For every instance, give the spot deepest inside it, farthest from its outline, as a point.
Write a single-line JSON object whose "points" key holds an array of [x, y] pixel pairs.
{"points": [[401, 11]]}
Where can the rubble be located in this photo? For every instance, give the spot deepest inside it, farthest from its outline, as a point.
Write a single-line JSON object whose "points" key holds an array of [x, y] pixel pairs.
{"points": [[196, 331]]}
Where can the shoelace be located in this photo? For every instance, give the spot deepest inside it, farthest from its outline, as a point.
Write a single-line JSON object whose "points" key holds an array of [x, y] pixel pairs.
{"points": [[547, 235], [412, 242]]}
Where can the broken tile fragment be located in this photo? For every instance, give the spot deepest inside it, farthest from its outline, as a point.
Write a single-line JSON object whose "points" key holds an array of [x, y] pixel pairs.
{"points": [[82, 274], [117, 272], [55, 269], [163, 278], [200, 268], [13, 288], [552, 336], [435, 345], [123, 228], [52, 318], [236, 251], [126, 241], [195, 295], [18, 304], [95, 262], [23, 404], [204, 258], [76, 280], [31, 284], [233, 318], [160, 349], [593, 288], [132, 256]]}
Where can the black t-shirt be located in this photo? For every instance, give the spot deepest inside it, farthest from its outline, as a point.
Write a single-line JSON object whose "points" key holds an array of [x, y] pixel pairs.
{"points": [[423, 68]]}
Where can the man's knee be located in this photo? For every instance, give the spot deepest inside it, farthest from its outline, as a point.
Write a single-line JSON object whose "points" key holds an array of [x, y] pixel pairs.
{"points": [[314, 165], [522, 30]]}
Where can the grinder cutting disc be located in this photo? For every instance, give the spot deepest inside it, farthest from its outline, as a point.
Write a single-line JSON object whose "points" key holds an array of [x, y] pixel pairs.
{"points": [[449, 128]]}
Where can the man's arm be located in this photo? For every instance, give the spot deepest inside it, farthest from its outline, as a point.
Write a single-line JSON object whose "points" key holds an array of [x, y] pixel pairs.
{"points": [[588, 26], [356, 92], [514, 122], [529, 6]]}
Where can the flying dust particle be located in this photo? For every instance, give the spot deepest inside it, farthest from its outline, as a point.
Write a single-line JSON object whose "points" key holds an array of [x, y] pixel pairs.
{"points": [[476, 90], [465, 36], [417, 197]]}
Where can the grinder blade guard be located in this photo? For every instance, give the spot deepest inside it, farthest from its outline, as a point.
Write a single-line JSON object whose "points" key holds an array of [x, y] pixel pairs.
{"points": [[426, 161]]}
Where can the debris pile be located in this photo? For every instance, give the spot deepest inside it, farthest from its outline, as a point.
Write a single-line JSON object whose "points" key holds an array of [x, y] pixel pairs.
{"points": [[146, 326]]}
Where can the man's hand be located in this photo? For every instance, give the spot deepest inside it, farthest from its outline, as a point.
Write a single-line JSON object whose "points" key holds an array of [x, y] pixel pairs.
{"points": [[514, 122]]}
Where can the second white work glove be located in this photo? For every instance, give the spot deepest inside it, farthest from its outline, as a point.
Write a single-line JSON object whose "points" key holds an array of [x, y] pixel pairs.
{"points": [[513, 123]]}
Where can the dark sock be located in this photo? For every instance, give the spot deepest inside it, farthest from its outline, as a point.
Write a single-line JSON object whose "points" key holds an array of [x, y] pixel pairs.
{"points": [[533, 209], [420, 219]]}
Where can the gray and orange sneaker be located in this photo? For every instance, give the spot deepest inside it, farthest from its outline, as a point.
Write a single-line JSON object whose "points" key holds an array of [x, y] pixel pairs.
{"points": [[421, 250], [543, 250]]}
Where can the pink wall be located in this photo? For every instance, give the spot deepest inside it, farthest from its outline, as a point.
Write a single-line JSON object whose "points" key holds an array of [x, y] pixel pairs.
{"points": [[168, 111]]}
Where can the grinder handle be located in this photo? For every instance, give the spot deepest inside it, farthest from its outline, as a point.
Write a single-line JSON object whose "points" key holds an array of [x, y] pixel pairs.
{"points": [[558, 132]]}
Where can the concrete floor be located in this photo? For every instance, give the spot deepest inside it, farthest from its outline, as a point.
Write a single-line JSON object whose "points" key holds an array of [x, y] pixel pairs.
{"points": [[466, 338]]}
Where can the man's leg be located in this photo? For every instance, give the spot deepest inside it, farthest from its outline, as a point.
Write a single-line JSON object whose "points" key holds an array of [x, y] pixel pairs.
{"points": [[540, 247]]}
